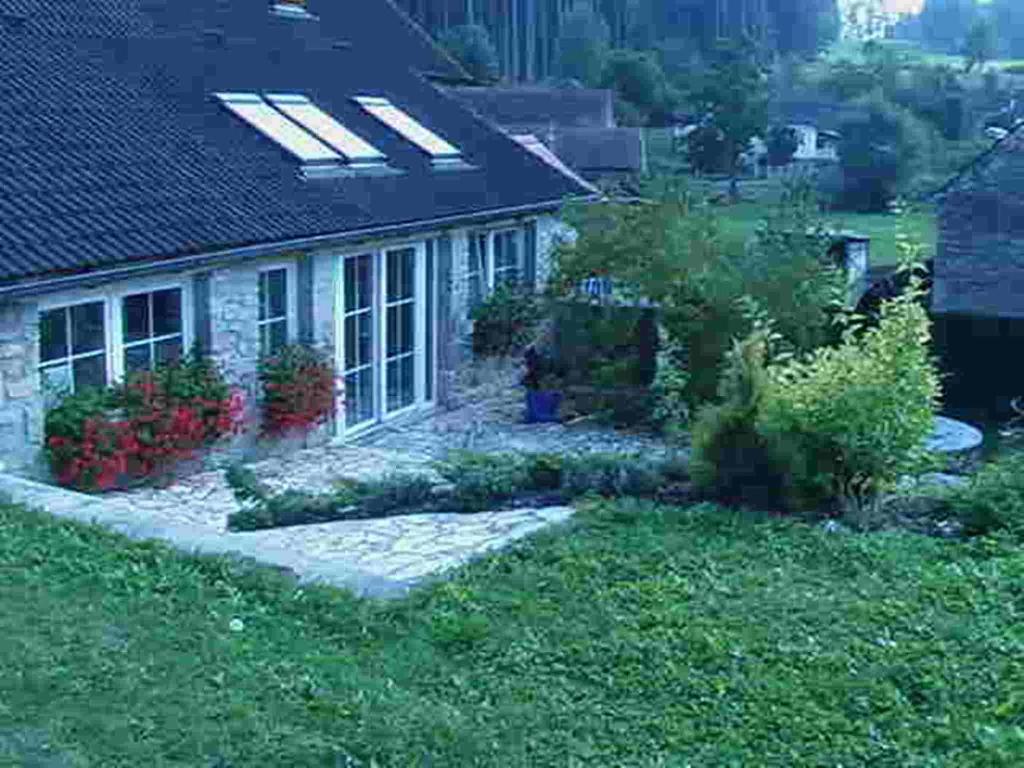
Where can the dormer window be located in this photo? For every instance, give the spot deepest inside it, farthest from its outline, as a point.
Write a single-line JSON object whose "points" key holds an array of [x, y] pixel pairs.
{"points": [[323, 145], [440, 151], [293, 9]]}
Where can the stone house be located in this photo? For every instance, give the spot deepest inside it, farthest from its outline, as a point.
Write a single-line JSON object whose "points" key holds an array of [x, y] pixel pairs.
{"points": [[978, 281], [241, 175]]}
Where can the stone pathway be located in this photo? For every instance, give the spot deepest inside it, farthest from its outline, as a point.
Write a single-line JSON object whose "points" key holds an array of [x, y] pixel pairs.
{"points": [[373, 557]]}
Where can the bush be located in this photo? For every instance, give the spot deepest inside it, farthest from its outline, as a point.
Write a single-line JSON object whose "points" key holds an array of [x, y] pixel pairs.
{"points": [[471, 46], [97, 440], [298, 390], [481, 479], [994, 498], [855, 417], [611, 474], [506, 322]]}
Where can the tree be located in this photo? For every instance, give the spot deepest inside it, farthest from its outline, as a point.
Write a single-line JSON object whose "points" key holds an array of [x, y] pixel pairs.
{"points": [[879, 151], [732, 95], [471, 45], [583, 46], [638, 80], [782, 143], [980, 45]]}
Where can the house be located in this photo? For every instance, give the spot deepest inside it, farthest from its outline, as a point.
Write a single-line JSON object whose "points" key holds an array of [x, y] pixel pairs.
{"points": [[575, 124], [815, 123], [978, 281], [237, 175]]}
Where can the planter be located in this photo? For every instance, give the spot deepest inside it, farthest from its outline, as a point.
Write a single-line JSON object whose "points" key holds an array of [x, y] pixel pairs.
{"points": [[542, 405]]}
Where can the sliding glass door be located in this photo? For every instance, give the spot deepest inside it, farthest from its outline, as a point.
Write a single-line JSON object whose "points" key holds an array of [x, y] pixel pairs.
{"points": [[384, 340]]}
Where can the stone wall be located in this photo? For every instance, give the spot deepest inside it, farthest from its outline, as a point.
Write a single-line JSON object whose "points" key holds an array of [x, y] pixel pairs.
{"points": [[21, 405]]}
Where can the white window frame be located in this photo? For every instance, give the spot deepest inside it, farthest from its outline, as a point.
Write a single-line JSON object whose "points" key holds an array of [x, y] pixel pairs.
{"points": [[491, 270], [51, 305], [118, 312], [379, 254], [291, 315], [112, 318]]}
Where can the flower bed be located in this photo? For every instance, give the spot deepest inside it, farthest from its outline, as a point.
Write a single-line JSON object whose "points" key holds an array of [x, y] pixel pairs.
{"points": [[102, 439]]}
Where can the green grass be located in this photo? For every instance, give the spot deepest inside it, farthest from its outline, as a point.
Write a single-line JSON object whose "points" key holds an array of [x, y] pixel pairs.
{"points": [[738, 222], [644, 637]]}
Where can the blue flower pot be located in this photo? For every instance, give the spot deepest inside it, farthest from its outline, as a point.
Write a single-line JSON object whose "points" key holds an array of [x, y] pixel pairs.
{"points": [[542, 406]]}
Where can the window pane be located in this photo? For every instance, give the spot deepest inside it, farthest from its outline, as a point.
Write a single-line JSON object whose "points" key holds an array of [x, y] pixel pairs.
{"points": [[401, 269], [277, 335], [401, 387], [56, 381], [358, 282], [87, 328], [135, 317], [137, 359], [277, 293], [53, 337], [90, 372], [359, 397], [358, 340], [168, 351], [167, 312], [401, 338], [263, 310]]}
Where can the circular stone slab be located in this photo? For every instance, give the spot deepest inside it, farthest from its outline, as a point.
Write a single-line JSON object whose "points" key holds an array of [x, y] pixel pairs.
{"points": [[951, 436]]}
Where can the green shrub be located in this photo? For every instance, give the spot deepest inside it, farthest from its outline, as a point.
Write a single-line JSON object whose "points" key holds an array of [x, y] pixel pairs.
{"points": [[855, 417], [994, 498], [481, 479], [732, 460], [545, 470], [506, 322], [611, 474]]}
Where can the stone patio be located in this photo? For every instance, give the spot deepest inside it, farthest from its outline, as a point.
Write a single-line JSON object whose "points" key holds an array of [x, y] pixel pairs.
{"points": [[373, 557]]}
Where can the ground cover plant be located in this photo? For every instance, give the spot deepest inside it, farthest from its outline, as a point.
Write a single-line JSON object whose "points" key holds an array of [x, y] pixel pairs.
{"points": [[469, 482], [645, 636]]}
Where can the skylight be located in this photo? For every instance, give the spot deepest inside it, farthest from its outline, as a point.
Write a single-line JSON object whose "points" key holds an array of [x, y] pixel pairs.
{"points": [[278, 128], [323, 126], [399, 121]]}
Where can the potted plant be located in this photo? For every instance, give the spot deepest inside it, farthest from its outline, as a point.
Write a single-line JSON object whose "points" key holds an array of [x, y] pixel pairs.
{"points": [[543, 382]]}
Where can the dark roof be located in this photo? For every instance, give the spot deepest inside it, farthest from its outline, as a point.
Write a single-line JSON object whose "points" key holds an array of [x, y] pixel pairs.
{"points": [[537, 107], [600, 150], [112, 150], [1012, 142], [819, 113]]}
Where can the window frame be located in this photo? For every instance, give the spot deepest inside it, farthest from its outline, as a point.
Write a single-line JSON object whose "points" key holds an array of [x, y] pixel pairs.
{"points": [[117, 310], [291, 316], [490, 267], [53, 304]]}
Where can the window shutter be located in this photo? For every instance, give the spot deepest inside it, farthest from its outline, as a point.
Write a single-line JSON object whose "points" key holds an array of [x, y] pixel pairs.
{"points": [[304, 299], [201, 315], [530, 256]]}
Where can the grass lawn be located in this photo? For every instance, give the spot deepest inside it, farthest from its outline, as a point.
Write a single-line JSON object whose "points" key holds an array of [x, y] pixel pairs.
{"points": [[645, 637], [739, 221]]}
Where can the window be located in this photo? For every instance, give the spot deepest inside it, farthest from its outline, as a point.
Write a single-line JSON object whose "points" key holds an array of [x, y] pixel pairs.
{"points": [[507, 255], [495, 258], [273, 310], [278, 128], [400, 328], [295, 9], [319, 123], [73, 348], [408, 128], [152, 329]]}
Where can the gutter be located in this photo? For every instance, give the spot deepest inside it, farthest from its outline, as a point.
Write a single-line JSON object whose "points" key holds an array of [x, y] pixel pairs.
{"points": [[51, 284]]}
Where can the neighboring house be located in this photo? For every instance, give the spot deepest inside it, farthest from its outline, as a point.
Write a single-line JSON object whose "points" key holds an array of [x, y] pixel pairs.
{"points": [[978, 288], [576, 124], [240, 175], [815, 123]]}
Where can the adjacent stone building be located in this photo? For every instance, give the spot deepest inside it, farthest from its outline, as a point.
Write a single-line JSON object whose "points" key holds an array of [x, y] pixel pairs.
{"points": [[978, 288], [242, 175]]}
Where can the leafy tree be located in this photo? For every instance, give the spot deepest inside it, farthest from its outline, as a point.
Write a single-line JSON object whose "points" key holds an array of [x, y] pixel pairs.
{"points": [[637, 78], [583, 45], [880, 148], [980, 45], [782, 143], [732, 95], [471, 45]]}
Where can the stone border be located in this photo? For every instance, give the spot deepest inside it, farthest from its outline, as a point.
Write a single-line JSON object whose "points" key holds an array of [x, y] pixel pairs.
{"points": [[120, 516]]}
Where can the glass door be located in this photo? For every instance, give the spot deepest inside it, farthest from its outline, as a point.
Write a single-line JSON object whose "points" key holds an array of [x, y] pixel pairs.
{"points": [[401, 328], [360, 341]]}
